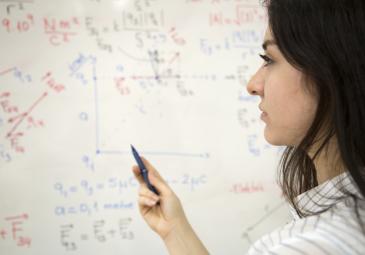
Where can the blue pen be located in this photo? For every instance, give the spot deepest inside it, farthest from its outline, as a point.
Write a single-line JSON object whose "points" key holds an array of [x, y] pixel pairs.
{"points": [[143, 169]]}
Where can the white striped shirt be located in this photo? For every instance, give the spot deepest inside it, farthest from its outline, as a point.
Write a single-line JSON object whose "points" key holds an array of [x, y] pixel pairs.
{"points": [[332, 232]]}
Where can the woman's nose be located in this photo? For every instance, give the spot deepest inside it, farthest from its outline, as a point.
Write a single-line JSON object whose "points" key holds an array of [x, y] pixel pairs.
{"points": [[255, 86]]}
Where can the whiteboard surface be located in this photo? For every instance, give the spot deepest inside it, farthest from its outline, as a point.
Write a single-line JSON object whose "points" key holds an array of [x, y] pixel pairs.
{"points": [[82, 80]]}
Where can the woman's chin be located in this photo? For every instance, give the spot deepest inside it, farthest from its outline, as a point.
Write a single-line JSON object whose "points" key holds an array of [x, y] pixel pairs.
{"points": [[273, 138]]}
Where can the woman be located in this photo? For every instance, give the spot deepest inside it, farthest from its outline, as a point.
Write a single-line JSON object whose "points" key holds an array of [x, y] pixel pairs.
{"points": [[312, 91]]}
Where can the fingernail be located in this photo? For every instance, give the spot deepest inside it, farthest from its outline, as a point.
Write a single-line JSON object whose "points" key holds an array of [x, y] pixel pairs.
{"points": [[151, 202], [156, 198]]}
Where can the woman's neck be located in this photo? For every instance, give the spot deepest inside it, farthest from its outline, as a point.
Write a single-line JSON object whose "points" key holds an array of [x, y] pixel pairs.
{"points": [[328, 162]]}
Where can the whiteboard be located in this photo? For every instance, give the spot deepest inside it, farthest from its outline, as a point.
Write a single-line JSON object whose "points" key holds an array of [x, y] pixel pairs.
{"points": [[82, 80]]}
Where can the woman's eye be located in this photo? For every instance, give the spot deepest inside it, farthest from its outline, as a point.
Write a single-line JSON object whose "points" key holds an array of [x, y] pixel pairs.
{"points": [[266, 59]]}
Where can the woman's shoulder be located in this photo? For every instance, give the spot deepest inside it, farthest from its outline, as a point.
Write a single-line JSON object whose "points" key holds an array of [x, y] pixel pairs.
{"points": [[330, 232], [338, 230], [336, 224]]}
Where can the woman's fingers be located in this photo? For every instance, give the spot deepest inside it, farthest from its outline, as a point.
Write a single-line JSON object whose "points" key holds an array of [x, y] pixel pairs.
{"points": [[159, 183], [145, 192], [147, 201], [150, 167], [147, 197], [154, 177], [137, 174]]}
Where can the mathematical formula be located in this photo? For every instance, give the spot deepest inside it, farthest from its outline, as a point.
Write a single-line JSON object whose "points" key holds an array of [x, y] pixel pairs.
{"points": [[13, 229], [102, 231]]}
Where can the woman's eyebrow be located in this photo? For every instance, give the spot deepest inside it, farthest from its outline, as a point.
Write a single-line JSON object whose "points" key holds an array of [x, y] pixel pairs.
{"points": [[268, 43]]}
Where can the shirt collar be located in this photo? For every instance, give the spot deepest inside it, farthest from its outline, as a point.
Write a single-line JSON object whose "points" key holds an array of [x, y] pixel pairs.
{"points": [[327, 194]]}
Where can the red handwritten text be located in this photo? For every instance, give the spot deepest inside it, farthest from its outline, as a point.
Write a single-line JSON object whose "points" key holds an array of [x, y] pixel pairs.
{"points": [[60, 30], [15, 229], [18, 25]]}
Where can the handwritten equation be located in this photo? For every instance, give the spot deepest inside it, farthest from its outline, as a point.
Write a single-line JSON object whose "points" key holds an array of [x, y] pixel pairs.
{"points": [[102, 231], [115, 185], [89, 208], [18, 121], [13, 229]]}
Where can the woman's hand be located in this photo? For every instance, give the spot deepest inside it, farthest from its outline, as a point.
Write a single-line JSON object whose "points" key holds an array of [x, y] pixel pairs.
{"points": [[165, 215], [162, 212]]}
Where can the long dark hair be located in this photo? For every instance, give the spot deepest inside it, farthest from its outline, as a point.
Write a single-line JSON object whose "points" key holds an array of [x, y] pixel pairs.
{"points": [[325, 40]]}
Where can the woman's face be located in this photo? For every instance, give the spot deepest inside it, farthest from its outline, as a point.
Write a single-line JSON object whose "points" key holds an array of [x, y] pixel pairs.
{"points": [[288, 107]]}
